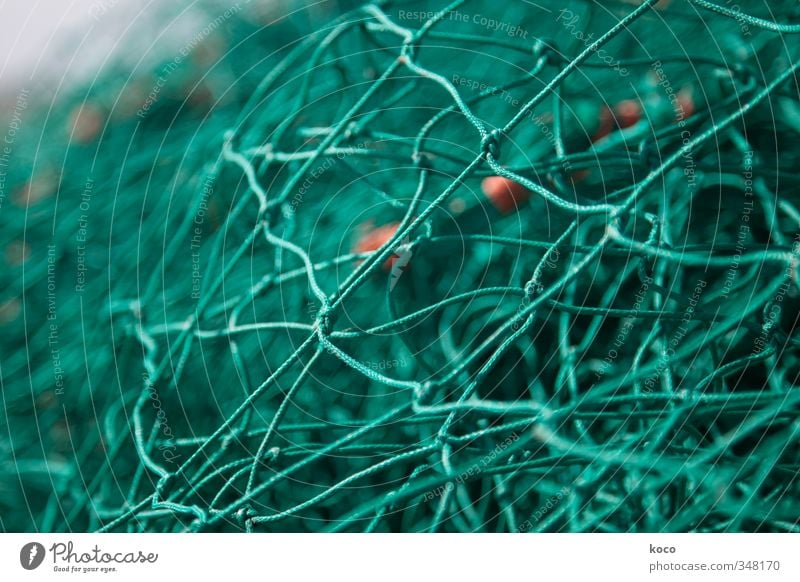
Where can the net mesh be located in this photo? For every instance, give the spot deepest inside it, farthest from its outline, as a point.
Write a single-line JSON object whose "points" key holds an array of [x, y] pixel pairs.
{"points": [[477, 266]]}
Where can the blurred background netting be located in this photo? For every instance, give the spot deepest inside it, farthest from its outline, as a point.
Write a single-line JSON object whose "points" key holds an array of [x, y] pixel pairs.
{"points": [[407, 266]]}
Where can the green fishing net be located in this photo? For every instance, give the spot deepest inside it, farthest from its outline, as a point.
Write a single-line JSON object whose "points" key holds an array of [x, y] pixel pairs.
{"points": [[420, 266]]}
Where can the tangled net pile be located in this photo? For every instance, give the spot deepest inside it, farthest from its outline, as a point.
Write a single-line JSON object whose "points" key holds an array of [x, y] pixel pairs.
{"points": [[320, 321]]}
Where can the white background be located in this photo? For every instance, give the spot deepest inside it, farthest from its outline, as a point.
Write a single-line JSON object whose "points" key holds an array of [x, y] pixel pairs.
{"points": [[414, 558]]}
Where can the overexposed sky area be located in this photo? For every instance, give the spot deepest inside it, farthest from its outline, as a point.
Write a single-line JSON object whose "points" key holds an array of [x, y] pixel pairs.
{"points": [[42, 37], [60, 42]]}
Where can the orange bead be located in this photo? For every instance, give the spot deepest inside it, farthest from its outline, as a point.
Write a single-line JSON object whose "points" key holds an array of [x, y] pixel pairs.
{"points": [[199, 96], [628, 113], [17, 252], [10, 310], [506, 195], [579, 176], [606, 124], [374, 238], [686, 103], [38, 188], [85, 123]]}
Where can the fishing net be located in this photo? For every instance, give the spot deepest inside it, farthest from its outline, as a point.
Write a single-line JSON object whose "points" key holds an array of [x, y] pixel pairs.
{"points": [[477, 266]]}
